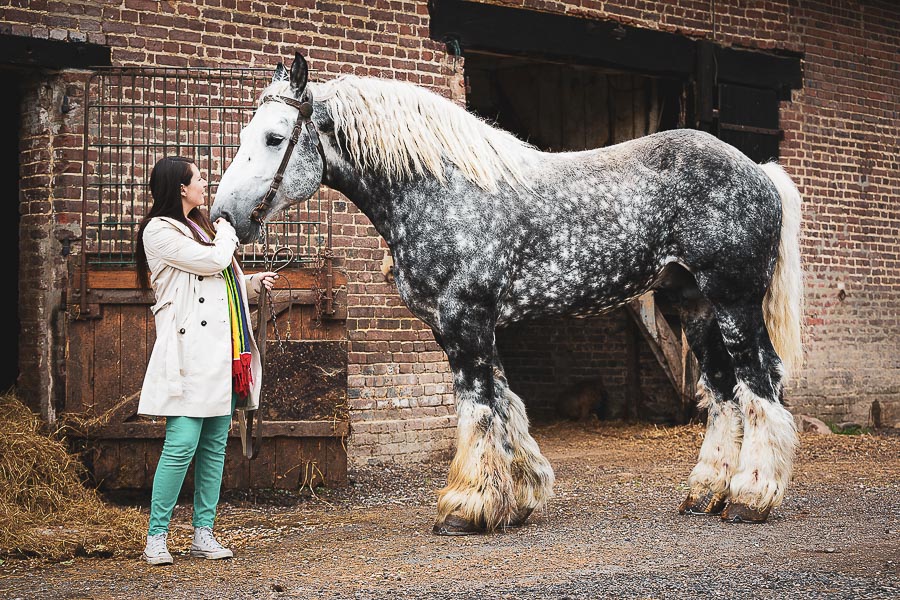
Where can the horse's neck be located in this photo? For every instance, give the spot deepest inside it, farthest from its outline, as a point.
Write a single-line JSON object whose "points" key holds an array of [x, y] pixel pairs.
{"points": [[371, 195]]}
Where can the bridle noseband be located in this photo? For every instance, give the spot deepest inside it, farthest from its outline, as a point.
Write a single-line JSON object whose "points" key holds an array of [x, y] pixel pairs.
{"points": [[304, 116]]}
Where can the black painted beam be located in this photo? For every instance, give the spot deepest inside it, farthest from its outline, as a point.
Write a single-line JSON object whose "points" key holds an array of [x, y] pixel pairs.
{"points": [[512, 31], [580, 40], [759, 69], [22, 51]]}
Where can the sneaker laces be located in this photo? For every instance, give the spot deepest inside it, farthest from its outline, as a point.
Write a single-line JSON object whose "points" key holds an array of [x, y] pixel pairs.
{"points": [[156, 544], [203, 536]]}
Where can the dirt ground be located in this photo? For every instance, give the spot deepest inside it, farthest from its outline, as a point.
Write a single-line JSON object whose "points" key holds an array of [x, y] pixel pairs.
{"points": [[611, 531]]}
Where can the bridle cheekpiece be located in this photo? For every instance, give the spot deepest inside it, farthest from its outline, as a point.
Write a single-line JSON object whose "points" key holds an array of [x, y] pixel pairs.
{"points": [[304, 116]]}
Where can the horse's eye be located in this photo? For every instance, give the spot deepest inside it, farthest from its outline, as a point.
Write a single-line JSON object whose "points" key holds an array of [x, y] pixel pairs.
{"points": [[274, 140]]}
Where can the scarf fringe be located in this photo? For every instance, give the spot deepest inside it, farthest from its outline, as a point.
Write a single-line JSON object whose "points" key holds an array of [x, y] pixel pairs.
{"points": [[241, 374]]}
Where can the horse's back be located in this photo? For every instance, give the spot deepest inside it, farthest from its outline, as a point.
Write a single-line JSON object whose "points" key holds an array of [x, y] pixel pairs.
{"points": [[729, 214], [713, 202], [607, 222]]}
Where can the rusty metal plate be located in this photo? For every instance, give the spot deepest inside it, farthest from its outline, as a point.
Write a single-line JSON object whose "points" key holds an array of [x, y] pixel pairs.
{"points": [[305, 381]]}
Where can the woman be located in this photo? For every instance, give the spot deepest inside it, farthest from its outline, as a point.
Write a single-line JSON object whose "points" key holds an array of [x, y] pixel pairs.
{"points": [[205, 362]]}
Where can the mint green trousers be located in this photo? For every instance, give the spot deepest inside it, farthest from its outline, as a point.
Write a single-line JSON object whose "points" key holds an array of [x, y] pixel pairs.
{"points": [[190, 438]]}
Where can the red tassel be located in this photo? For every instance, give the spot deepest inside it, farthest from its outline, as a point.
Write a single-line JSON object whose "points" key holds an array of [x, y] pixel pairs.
{"points": [[241, 374]]}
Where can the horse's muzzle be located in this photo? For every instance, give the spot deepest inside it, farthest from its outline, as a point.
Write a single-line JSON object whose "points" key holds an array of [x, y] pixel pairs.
{"points": [[223, 214]]}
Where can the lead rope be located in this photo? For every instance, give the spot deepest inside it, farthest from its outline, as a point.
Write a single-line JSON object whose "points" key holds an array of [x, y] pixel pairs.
{"points": [[266, 302], [269, 261]]}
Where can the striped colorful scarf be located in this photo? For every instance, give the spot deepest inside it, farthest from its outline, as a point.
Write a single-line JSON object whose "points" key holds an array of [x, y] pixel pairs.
{"points": [[241, 375]]}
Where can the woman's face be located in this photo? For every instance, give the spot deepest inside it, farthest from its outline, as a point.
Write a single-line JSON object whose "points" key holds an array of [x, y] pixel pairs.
{"points": [[193, 194]]}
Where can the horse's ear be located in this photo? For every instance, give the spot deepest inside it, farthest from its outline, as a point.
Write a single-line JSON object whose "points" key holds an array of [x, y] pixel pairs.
{"points": [[299, 75], [281, 74]]}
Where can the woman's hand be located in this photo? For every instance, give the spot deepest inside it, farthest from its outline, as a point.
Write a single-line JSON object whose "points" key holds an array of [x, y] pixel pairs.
{"points": [[267, 279]]}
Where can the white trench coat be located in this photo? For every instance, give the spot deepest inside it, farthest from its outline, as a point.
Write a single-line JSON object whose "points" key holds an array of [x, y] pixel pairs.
{"points": [[189, 371]]}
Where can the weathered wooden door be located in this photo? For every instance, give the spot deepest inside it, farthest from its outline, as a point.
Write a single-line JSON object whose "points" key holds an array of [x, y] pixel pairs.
{"points": [[133, 117]]}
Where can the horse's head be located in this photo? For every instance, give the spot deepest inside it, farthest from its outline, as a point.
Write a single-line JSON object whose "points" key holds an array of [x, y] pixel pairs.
{"points": [[279, 161]]}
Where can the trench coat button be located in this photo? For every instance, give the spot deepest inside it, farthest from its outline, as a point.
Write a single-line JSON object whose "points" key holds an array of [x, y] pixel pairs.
{"points": [[199, 277], [203, 323], [202, 300], [181, 330]]}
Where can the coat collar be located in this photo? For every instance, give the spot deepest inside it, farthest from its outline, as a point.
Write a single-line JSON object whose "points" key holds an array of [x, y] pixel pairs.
{"points": [[184, 228]]}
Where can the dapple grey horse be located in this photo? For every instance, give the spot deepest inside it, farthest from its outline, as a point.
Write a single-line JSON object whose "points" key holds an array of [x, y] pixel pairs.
{"points": [[486, 230]]}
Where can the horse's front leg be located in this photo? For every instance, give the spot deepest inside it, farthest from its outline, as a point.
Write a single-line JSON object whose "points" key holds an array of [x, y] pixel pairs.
{"points": [[532, 474], [480, 492]]}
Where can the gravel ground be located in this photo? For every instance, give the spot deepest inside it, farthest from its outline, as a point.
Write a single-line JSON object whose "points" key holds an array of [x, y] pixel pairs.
{"points": [[611, 531]]}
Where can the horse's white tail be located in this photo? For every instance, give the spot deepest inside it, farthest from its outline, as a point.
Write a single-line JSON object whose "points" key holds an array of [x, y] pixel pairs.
{"points": [[783, 304]]}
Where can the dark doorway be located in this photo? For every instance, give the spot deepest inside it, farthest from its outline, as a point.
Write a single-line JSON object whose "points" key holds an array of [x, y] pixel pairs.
{"points": [[11, 109], [25, 62], [560, 107], [577, 368]]}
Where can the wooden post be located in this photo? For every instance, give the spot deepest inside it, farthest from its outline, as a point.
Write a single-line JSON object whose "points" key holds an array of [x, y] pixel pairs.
{"points": [[652, 325], [689, 374]]}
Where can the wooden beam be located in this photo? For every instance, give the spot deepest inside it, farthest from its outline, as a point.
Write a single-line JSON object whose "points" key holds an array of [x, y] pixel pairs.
{"points": [[522, 32], [633, 394], [119, 296], [664, 343], [147, 430], [24, 51], [513, 31], [297, 287], [123, 279], [705, 81]]}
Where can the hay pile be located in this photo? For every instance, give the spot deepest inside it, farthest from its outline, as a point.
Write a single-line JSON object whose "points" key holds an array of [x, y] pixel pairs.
{"points": [[45, 509]]}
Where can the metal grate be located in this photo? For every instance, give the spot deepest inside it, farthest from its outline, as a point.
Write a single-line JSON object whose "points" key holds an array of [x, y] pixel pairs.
{"points": [[135, 116]]}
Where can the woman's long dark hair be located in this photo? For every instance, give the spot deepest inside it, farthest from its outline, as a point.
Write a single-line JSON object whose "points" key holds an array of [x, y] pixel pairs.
{"points": [[166, 179]]}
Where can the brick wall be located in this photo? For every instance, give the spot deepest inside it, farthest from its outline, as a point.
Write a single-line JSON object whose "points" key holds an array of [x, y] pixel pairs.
{"points": [[49, 189], [399, 383], [840, 144], [545, 359]]}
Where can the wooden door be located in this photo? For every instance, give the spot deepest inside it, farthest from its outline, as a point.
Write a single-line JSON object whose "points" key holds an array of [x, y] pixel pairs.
{"points": [[133, 117]]}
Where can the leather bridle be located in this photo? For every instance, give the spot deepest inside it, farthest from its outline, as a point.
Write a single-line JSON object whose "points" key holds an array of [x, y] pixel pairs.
{"points": [[251, 443], [304, 117]]}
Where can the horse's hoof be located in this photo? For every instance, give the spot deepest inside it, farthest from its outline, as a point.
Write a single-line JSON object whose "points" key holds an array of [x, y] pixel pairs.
{"points": [[454, 525], [708, 504], [737, 512], [519, 517]]}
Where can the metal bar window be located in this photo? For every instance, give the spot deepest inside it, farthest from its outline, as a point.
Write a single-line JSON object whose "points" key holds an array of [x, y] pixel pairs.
{"points": [[135, 116]]}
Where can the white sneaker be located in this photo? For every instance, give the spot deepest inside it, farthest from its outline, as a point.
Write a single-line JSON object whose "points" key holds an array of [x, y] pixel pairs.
{"points": [[157, 552], [205, 545]]}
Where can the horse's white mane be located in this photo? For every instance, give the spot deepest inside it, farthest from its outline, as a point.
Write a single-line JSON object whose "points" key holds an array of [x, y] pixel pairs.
{"points": [[404, 129]]}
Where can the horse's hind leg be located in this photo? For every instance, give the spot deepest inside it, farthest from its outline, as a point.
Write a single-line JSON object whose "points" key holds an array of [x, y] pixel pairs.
{"points": [[770, 435], [531, 472], [710, 479]]}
